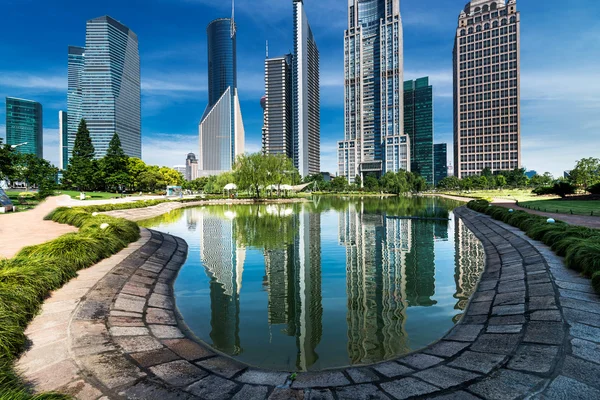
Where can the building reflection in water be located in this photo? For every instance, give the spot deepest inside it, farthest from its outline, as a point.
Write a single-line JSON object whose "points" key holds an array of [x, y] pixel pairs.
{"points": [[469, 261]]}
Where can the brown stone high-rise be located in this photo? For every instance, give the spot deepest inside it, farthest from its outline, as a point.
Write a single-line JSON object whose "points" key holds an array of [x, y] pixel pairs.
{"points": [[487, 73]]}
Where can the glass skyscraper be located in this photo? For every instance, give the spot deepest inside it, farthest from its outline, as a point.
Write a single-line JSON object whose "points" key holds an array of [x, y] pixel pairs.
{"points": [[418, 125], [104, 87], [306, 97], [440, 162], [221, 127], [63, 140], [487, 73], [278, 117], [24, 126], [374, 62]]}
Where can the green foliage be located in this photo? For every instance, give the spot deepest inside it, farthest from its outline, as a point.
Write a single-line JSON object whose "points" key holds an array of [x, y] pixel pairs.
{"points": [[28, 278], [35, 171], [82, 170], [580, 245], [563, 189], [586, 173], [114, 166], [596, 281], [251, 172], [7, 161], [595, 189]]}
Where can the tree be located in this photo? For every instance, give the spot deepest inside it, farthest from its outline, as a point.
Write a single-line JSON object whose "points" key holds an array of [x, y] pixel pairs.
{"points": [[396, 183], [251, 172], [135, 167], [114, 165], [35, 171], [501, 181], [339, 183], [586, 172], [7, 161], [151, 179], [171, 177], [563, 189], [371, 183], [449, 183], [280, 169], [541, 180], [358, 181], [82, 169]]}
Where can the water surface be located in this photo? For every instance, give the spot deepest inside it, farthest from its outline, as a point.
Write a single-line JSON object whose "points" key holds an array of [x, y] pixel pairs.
{"points": [[328, 283]]}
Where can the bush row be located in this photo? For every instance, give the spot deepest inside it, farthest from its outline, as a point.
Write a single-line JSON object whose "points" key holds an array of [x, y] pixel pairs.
{"points": [[579, 245], [28, 278]]}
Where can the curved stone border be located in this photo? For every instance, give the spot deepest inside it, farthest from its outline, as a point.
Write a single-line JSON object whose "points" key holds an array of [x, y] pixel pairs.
{"points": [[531, 330]]}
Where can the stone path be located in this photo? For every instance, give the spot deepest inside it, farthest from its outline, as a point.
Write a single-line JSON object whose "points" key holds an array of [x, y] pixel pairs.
{"points": [[580, 220], [532, 330], [29, 228]]}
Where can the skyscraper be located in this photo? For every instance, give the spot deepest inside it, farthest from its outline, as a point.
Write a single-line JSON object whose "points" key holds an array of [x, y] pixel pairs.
{"points": [[487, 88], [191, 167], [104, 87], [306, 98], [24, 126], [418, 125], [374, 63], [221, 127], [63, 140], [440, 162], [278, 125]]}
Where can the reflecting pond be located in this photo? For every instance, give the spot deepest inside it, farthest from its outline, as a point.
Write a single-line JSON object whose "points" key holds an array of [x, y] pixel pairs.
{"points": [[327, 283]]}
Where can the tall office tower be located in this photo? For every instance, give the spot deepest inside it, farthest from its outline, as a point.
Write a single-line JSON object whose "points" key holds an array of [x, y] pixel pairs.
{"points": [[374, 63], [278, 113], [440, 162], [306, 98], [191, 167], [418, 125], [63, 140], [74, 96], [104, 87], [221, 127], [487, 73], [25, 126]]}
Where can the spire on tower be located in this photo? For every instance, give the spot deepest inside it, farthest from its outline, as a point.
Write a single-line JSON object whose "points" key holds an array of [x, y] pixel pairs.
{"points": [[232, 18]]}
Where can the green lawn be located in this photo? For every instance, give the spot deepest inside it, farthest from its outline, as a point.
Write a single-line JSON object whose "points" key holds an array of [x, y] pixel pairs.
{"points": [[508, 194], [25, 205], [579, 207], [89, 195]]}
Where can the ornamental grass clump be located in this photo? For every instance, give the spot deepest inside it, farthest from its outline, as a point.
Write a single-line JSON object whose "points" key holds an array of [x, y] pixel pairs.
{"points": [[28, 278], [579, 245]]}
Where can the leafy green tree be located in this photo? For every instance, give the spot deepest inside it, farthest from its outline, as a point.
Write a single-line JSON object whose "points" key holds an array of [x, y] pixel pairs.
{"points": [[7, 161], [171, 177], [563, 189], [449, 183], [196, 185], [135, 167], [81, 171], [501, 181], [358, 181], [541, 180], [586, 172], [339, 184], [371, 183], [395, 182], [280, 169], [35, 171], [151, 179], [251, 172], [114, 165]]}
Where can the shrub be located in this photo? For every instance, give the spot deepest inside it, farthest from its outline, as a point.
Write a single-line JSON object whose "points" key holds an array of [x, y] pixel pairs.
{"points": [[596, 281], [584, 257], [594, 189], [544, 190], [563, 189]]}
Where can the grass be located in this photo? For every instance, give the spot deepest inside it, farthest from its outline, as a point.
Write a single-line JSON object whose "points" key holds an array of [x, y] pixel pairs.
{"points": [[579, 245], [28, 278], [22, 204], [90, 195], [576, 207], [519, 195]]}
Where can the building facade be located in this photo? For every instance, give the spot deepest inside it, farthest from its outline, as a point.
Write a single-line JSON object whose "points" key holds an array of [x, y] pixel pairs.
{"points": [[373, 89], [104, 87], [191, 167], [63, 140], [221, 127], [487, 128], [440, 162], [24, 126], [418, 125], [278, 132], [306, 97]]}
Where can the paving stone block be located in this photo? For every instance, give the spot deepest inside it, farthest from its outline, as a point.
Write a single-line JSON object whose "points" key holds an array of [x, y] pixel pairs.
{"points": [[517, 309], [464, 333], [125, 321], [129, 331], [135, 344], [134, 290], [508, 320], [260, 377], [581, 370], [482, 308], [166, 332], [546, 315], [445, 348], [81, 390], [585, 332], [222, 366], [478, 362], [572, 294], [318, 394], [187, 349], [319, 380], [580, 305], [249, 392], [512, 286], [505, 385], [149, 390], [93, 310], [567, 388], [446, 377], [158, 316], [587, 350], [542, 303], [161, 301], [512, 298], [286, 394], [362, 375], [112, 369], [392, 369], [154, 357], [130, 303], [473, 319], [178, 373], [408, 387], [54, 376], [504, 328], [544, 332], [420, 361], [542, 289], [360, 392], [534, 358], [460, 395], [213, 388], [496, 343], [486, 295]]}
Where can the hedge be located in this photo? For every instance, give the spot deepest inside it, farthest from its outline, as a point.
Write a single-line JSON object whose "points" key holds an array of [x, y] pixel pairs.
{"points": [[28, 278], [579, 245]]}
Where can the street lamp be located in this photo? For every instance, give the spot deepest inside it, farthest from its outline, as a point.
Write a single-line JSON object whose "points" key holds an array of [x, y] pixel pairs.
{"points": [[14, 146]]}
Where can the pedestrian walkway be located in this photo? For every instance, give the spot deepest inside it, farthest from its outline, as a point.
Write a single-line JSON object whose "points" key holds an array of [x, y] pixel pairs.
{"points": [[532, 330], [580, 220]]}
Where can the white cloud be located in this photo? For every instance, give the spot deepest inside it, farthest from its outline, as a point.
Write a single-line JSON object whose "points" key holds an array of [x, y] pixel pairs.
{"points": [[29, 81], [175, 83], [167, 149], [51, 145]]}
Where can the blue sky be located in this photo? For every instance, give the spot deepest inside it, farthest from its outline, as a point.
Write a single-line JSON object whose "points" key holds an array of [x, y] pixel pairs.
{"points": [[560, 58]]}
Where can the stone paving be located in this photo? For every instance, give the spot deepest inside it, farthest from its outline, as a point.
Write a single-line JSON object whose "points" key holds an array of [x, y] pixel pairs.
{"points": [[532, 330]]}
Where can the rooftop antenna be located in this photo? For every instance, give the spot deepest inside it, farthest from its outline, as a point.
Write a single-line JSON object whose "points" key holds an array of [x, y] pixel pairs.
{"points": [[232, 18]]}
